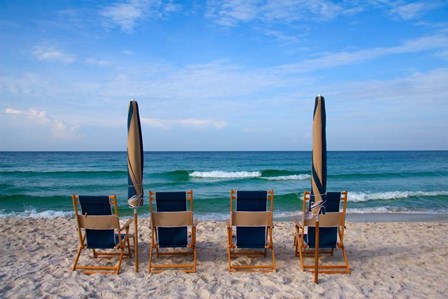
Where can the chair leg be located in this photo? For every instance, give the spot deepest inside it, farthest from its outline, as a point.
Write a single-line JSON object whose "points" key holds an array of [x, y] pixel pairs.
{"points": [[230, 258], [76, 258], [344, 254], [119, 261], [150, 257], [129, 248], [195, 259]]}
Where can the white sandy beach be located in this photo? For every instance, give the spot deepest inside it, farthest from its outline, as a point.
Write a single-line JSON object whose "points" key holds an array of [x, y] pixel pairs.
{"points": [[388, 260]]}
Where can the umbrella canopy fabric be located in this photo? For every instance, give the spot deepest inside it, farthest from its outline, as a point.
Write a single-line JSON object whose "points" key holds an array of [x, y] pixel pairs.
{"points": [[319, 158], [135, 157]]}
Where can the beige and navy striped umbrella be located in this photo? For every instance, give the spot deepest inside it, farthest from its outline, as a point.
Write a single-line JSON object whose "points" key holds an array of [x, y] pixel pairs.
{"points": [[135, 157], [319, 157], [135, 168]]}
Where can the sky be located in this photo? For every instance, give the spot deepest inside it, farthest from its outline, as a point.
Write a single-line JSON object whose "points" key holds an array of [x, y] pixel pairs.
{"points": [[223, 75]]}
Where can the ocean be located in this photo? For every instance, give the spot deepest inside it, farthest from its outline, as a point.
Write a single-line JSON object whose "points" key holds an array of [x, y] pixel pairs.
{"points": [[40, 184]]}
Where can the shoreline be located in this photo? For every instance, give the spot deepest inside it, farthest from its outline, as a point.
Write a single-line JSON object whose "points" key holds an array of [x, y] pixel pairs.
{"points": [[385, 217], [350, 217]]}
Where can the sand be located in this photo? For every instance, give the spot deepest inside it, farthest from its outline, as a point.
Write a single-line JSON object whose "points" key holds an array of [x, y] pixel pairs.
{"points": [[388, 260]]}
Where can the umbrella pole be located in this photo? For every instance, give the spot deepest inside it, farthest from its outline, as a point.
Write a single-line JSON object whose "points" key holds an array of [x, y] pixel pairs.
{"points": [[136, 240], [316, 253]]}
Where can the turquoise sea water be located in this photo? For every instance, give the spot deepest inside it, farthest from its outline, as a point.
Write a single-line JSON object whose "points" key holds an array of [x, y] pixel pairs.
{"points": [[40, 184]]}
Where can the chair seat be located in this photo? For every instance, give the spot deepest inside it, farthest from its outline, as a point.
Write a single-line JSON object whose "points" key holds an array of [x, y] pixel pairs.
{"points": [[251, 237], [102, 243], [328, 237], [172, 236]]}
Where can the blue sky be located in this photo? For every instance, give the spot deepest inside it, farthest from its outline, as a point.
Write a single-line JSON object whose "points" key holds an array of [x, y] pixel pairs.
{"points": [[223, 75]]}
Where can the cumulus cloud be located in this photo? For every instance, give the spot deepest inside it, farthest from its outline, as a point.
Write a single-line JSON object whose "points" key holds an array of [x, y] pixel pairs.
{"points": [[58, 128]]}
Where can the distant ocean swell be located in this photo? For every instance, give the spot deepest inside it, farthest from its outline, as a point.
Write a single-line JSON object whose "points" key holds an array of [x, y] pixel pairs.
{"points": [[40, 184], [65, 174]]}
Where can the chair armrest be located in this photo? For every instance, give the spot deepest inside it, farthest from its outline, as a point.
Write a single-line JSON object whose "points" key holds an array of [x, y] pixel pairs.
{"points": [[297, 223], [126, 225]]}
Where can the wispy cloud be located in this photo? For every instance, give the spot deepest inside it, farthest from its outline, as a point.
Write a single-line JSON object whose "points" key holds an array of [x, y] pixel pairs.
{"points": [[230, 13], [96, 61], [155, 123], [52, 54], [187, 122], [192, 122], [409, 11], [126, 15], [434, 43], [58, 128], [266, 15]]}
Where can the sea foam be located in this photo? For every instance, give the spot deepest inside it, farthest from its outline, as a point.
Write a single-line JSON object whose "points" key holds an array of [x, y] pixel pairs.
{"points": [[32, 213], [294, 177], [218, 174], [360, 196]]}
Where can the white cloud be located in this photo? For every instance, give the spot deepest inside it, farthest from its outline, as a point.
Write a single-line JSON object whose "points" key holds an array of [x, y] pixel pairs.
{"points": [[96, 61], [409, 11], [40, 116], [58, 128], [434, 43], [202, 123], [126, 15], [155, 123], [420, 88], [230, 13], [186, 122], [52, 54]]}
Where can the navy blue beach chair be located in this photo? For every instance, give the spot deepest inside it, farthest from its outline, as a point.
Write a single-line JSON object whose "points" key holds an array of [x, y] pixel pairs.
{"points": [[99, 229], [331, 233], [251, 216], [172, 227]]}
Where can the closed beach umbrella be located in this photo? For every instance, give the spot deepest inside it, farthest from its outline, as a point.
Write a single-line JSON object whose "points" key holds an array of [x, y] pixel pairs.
{"points": [[319, 157], [318, 170], [135, 168]]}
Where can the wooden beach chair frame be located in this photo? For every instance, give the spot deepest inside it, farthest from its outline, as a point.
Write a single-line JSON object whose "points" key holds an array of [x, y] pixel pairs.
{"points": [[330, 219], [172, 219], [122, 247], [250, 219]]}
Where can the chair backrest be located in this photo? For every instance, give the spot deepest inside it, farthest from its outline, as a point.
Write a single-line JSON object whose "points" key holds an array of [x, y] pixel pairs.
{"points": [[251, 214], [171, 214], [97, 219], [329, 223]]}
